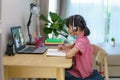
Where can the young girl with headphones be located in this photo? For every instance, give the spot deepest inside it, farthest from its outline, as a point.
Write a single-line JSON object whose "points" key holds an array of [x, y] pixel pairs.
{"points": [[81, 51]]}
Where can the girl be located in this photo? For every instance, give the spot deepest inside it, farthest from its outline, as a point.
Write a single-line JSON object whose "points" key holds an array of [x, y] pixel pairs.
{"points": [[81, 51]]}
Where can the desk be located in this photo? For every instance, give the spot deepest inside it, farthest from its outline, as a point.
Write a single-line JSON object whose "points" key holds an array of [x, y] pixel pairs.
{"points": [[35, 66]]}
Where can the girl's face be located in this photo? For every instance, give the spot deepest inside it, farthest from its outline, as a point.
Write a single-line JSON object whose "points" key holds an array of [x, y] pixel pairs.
{"points": [[71, 31]]}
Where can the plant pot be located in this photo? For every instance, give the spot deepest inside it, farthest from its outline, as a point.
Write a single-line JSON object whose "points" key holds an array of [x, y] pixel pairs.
{"points": [[113, 43], [52, 35]]}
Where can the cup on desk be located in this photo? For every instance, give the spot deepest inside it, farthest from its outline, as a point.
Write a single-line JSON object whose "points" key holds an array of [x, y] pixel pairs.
{"points": [[39, 41]]}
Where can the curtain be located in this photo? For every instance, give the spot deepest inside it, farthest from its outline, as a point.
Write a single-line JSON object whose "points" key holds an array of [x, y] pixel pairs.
{"points": [[114, 31], [92, 11], [44, 6]]}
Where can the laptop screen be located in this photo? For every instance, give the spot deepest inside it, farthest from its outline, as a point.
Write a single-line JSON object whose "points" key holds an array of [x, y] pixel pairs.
{"points": [[18, 37]]}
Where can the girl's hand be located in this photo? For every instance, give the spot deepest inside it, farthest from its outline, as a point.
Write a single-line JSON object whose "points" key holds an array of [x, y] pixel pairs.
{"points": [[61, 47]]}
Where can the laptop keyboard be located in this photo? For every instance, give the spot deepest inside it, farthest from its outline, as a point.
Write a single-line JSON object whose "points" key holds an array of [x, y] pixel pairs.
{"points": [[30, 49]]}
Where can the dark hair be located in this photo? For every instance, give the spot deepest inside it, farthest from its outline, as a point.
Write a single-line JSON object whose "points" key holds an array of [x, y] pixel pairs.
{"points": [[78, 21]]}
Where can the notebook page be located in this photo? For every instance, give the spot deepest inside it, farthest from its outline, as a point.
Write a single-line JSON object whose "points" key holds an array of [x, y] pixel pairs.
{"points": [[55, 52]]}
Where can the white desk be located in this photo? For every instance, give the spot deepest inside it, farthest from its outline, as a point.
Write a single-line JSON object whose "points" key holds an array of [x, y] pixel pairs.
{"points": [[110, 49]]}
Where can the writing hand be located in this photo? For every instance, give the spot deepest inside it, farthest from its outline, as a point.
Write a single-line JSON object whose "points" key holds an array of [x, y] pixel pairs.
{"points": [[61, 47]]}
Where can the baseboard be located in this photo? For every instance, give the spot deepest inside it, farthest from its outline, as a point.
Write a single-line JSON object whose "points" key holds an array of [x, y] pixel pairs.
{"points": [[114, 76]]}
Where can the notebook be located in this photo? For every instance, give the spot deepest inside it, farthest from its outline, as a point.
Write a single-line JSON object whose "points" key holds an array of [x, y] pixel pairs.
{"points": [[55, 52], [19, 43]]}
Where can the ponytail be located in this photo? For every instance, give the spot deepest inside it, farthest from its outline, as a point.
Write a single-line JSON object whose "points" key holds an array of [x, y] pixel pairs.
{"points": [[86, 31]]}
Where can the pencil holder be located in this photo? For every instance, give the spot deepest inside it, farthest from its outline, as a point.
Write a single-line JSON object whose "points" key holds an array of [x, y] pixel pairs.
{"points": [[39, 41]]}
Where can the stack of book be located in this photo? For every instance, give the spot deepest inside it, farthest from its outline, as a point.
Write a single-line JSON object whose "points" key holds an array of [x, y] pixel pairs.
{"points": [[53, 42]]}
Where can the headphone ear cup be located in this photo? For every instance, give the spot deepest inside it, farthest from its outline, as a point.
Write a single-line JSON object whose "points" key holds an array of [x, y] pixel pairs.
{"points": [[74, 28]]}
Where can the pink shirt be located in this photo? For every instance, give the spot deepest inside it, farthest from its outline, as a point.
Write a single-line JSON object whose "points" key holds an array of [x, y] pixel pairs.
{"points": [[83, 60]]}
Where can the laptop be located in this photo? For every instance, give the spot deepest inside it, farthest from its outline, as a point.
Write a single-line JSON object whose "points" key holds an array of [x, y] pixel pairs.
{"points": [[19, 43]]}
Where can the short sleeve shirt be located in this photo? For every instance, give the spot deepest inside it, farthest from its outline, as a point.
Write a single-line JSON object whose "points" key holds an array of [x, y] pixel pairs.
{"points": [[83, 60]]}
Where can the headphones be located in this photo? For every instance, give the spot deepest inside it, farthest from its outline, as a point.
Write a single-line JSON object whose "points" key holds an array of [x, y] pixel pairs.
{"points": [[74, 27]]}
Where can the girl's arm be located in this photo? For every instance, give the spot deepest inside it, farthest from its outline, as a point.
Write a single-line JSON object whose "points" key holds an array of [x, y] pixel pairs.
{"points": [[69, 49], [69, 46], [65, 46], [71, 52]]}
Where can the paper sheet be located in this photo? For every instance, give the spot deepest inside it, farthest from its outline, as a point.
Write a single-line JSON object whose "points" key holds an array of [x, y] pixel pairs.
{"points": [[55, 52]]}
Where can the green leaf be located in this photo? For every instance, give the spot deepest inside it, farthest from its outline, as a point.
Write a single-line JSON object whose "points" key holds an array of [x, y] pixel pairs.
{"points": [[46, 24], [64, 21], [55, 32], [61, 23], [54, 17], [44, 18], [112, 39], [47, 30], [65, 31], [54, 26], [61, 27]]}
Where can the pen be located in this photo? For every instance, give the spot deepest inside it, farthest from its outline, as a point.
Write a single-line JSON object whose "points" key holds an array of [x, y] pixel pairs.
{"points": [[63, 44]]}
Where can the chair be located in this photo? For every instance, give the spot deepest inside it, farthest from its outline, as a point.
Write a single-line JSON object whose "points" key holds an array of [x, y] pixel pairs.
{"points": [[101, 61]]}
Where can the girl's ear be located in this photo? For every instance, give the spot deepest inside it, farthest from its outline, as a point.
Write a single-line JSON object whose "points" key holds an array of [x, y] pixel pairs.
{"points": [[79, 29]]}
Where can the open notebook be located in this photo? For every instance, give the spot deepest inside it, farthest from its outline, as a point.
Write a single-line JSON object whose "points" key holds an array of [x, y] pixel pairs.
{"points": [[55, 52]]}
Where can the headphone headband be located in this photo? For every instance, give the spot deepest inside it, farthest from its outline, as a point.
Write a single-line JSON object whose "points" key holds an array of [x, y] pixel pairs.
{"points": [[74, 27]]}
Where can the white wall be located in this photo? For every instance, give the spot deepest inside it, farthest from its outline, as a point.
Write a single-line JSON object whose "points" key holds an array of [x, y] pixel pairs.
{"points": [[14, 12], [1, 61]]}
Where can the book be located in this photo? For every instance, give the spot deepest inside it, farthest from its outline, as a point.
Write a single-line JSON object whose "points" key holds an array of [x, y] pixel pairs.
{"points": [[51, 44], [55, 52], [50, 40]]}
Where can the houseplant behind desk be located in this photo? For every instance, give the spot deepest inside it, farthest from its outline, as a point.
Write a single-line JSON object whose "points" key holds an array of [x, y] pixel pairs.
{"points": [[53, 26]]}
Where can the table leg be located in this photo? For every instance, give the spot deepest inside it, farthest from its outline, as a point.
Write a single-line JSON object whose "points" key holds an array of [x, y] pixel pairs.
{"points": [[60, 74], [29, 78], [5, 73]]}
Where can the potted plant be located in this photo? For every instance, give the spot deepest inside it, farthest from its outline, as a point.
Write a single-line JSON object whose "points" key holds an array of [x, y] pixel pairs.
{"points": [[53, 26], [113, 41]]}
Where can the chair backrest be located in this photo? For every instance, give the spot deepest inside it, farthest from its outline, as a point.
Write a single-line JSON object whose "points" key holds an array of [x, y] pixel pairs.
{"points": [[101, 61]]}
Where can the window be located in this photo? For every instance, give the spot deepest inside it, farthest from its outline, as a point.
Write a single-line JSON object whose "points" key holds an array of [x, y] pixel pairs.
{"points": [[114, 30], [52, 8], [53, 5], [93, 13], [102, 17]]}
